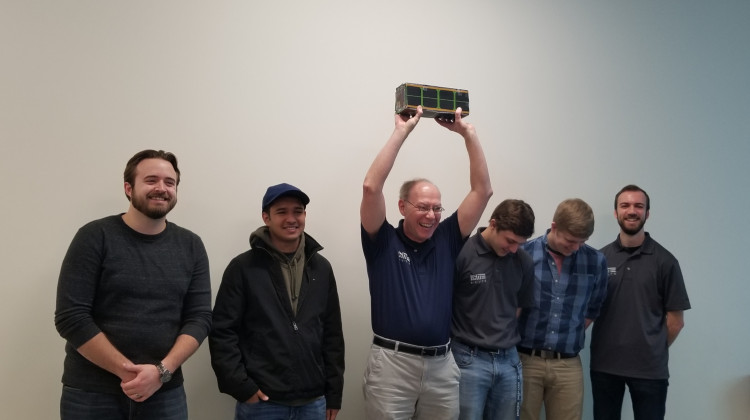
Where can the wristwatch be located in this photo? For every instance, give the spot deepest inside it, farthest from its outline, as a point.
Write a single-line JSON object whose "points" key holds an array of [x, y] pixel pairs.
{"points": [[164, 374]]}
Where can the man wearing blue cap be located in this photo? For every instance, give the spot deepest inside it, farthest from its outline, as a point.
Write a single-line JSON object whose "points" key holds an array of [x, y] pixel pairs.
{"points": [[277, 344]]}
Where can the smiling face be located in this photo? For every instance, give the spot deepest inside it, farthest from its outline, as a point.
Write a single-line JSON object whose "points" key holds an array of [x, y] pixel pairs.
{"points": [[420, 225], [154, 190], [631, 211], [286, 222]]}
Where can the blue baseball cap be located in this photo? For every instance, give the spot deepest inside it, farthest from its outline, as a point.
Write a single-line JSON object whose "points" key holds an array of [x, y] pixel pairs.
{"points": [[280, 190]]}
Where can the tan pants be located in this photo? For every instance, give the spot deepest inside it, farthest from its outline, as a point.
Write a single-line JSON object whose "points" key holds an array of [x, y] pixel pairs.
{"points": [[401, 386], [558, 383]]}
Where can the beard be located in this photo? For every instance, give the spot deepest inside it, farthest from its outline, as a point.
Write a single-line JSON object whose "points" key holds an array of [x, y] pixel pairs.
{"points": [[631, 231], [153, 212]]}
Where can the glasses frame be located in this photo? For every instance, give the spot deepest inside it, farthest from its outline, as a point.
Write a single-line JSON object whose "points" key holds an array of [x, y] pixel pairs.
{"points": [[425, 209]]}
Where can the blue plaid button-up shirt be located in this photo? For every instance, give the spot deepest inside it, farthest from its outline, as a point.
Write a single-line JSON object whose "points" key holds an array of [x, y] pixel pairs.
{"points": [[563, 301]]}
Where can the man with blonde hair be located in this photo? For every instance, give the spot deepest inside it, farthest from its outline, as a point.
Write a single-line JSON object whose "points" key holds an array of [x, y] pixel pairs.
{"points": [[570, 287]]}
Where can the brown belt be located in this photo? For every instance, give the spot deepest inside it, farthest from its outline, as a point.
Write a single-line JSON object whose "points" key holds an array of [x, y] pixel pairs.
{"points": [[546, 354]]}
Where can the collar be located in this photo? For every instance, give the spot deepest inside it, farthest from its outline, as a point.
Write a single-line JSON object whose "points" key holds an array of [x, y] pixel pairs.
{"points": [[547, 248], [647, 247], [558, 253], [482, 246], [408, 242]]}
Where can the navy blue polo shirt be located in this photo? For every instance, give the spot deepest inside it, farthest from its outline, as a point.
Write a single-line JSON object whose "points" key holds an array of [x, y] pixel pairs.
{"points": [[411, 284]]}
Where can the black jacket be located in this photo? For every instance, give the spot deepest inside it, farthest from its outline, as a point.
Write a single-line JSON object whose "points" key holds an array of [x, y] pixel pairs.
{"points": [[258, 343]]}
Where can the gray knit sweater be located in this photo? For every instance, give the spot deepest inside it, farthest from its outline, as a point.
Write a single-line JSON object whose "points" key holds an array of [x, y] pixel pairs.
{"points": [[141, 291]]}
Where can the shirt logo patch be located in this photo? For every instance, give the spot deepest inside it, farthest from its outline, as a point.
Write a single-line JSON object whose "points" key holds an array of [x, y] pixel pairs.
{"points": [[404, 257], [477, 278], [612, 271]]}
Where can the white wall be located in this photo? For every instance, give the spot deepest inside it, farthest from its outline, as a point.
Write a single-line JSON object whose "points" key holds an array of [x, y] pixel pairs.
{"points": [[569, 99]]}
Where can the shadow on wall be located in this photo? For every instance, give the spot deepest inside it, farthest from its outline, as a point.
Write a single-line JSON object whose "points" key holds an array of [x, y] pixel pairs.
{"points": [[738, 399]]}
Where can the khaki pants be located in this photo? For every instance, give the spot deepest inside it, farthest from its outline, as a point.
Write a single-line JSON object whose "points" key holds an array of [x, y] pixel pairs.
{"points": [[558, 383], [401, 386]]}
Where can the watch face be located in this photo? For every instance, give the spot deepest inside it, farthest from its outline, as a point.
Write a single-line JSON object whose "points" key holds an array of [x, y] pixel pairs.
{"points": [[166, 376]]}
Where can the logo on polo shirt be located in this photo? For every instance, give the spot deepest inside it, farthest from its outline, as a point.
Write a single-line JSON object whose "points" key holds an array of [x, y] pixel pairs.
{"points": [[612, 271], [404, 257], [477, 278]]}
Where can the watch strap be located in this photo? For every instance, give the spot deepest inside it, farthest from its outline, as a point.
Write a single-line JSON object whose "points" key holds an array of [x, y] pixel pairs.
{"points": [[164, 374]]}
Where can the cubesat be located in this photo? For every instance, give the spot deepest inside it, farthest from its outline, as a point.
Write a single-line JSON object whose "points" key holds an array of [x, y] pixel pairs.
{"points": [[436, 101]]}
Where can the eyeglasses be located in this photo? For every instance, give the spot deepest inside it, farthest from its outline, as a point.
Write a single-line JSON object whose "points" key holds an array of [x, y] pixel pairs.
{"points": [[426, 209]]}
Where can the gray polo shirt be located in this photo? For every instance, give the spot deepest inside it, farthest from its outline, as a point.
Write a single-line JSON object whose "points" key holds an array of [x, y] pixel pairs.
{"points": [[629, 337], [487, 291]]}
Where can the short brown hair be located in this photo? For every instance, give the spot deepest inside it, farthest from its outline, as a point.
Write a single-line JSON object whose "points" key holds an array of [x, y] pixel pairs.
{"points": [[633, 188], [515, 216], [129, 174], [575, 217]]}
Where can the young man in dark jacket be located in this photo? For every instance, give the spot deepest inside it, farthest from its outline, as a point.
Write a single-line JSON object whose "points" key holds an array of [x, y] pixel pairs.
{"points": [[277, 345]]}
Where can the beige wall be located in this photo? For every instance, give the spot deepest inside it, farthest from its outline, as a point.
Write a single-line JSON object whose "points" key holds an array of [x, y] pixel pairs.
{"points": [[569, 99]]}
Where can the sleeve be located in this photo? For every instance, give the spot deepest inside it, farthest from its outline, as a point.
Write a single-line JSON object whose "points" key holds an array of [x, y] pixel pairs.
{"points": [[197, 302], [526, 294], [600, 287], [372, 246], [76, 287], [333, 347], [224, 343], [457, 240], [458, 271], [675, 293]]}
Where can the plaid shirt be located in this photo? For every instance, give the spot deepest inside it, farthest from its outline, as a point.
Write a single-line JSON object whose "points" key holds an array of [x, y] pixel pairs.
{"points": [[563, 301]]}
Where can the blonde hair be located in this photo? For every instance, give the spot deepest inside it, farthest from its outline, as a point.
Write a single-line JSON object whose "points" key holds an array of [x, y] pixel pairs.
{"points": [[575, 217]]}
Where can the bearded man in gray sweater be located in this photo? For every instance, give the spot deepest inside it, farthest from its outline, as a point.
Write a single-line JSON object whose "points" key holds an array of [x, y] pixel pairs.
{"points": [[133, 303]]}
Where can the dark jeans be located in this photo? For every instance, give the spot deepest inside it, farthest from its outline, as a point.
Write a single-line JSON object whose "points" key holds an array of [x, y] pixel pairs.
{"points": [[264, 410], [77, 404], [649, 396]]}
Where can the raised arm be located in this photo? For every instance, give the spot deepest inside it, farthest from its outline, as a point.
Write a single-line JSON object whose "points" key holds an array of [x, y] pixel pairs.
{"points": [[372, 208], [471, 208]]}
